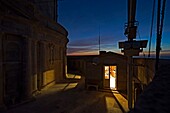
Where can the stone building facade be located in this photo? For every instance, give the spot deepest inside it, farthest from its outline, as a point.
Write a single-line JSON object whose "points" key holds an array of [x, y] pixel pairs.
{"points": [[32, 51], [98, 69]]}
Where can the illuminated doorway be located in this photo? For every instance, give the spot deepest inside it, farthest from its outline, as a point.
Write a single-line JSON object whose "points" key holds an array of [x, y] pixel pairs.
{"points": [[110, 77]]}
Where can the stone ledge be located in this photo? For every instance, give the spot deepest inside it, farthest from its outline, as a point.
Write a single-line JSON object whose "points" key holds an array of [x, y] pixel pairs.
{"points": [[122, 101]]}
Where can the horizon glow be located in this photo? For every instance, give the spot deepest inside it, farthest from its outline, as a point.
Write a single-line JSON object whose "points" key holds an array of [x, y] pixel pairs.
{"points": [[86, 21]]}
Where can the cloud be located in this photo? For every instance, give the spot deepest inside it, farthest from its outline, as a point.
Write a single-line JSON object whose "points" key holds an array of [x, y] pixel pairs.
{"points": [[167, 51], [83, 46], [164, 54], [82, 51], [105, 40], [161, 52], [71, 50], [83, 42], [91, 45]]}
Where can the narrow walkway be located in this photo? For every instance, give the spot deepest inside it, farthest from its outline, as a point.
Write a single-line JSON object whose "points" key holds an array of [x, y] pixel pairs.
{"points": [[66, 98]]}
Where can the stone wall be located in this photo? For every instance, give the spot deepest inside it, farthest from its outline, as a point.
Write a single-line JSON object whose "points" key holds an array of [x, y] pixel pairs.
{"points": [[32, 52]]}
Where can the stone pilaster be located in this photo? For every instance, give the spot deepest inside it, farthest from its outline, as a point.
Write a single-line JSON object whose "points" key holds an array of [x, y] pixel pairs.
{"points": [[2, 106], [64, 63], [44, 59], [40, 64], [28, 71], [61, 64], [34, 66], [38, 59]]}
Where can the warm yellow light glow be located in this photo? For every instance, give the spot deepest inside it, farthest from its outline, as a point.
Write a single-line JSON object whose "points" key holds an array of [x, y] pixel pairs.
{"points": [[48, 76], [106, 72], [112, 77], [110, 74], [73, 76], [111, 105], [121, 100], [112, 82]]}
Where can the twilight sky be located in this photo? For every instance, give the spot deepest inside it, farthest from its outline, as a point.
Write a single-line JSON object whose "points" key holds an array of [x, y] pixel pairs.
{"points": [[86, 19]]}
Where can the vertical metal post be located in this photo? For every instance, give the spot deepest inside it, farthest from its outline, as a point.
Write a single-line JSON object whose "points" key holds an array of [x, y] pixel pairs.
{"points": [[130, 49], [158, 36], [160, 19], [129, 82]]}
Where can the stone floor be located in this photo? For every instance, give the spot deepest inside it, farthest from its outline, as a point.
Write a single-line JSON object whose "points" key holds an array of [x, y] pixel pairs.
{"points": [[67, 98]]}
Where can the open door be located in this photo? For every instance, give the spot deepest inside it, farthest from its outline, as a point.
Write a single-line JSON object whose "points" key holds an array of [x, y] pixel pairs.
{"points": [[110, 77]]}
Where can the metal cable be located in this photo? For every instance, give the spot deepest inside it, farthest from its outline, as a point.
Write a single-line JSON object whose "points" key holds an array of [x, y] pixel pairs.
{"points": [[153, 11]]}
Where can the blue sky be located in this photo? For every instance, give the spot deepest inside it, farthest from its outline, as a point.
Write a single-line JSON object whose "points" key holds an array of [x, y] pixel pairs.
{"points": [[84, 19]]}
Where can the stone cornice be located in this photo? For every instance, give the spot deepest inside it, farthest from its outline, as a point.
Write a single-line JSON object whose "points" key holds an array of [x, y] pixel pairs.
{"points": [[26, 12]]}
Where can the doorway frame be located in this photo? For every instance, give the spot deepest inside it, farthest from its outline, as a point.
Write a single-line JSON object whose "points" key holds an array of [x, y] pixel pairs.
{"points": [[104, 80]]}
